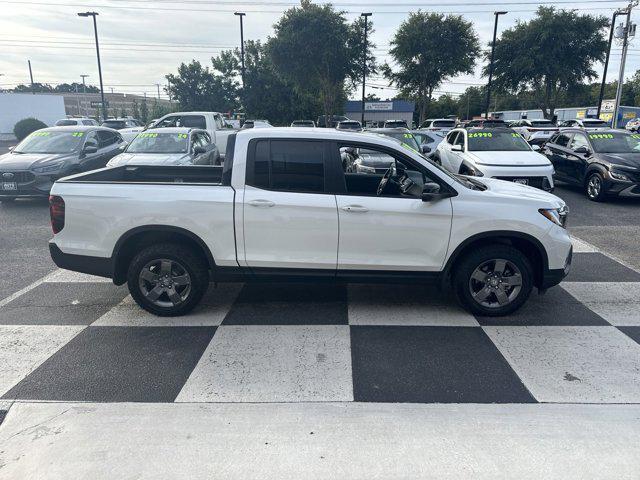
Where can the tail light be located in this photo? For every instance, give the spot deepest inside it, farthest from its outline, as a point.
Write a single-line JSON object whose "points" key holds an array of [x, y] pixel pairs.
{"points": [[56, 210]]}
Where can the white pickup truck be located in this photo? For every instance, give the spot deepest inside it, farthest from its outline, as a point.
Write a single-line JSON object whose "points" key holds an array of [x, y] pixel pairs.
{"points": [[213, 122], [282, 207]]}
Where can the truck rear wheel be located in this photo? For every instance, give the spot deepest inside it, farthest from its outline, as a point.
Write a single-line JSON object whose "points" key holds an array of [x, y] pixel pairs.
{"points": [[167, 280], [493, 280]]}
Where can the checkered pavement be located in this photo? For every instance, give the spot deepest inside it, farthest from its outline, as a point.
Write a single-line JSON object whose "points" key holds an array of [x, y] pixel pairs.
{"points": [[79, 338]]}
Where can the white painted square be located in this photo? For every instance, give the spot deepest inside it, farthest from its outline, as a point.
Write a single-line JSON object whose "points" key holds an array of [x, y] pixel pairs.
{"points": [[67, 276], [404, 305], [617, 303], [301, 363], [580, 246], [211, 310], [24, 347], [572, 364]]}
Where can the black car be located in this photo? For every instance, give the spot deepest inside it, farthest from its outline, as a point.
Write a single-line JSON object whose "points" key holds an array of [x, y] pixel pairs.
{"points": [[30, 169], [603, 162]]}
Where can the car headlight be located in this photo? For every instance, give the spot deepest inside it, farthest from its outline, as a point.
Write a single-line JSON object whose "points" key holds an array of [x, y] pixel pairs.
{"points": [[48, 168], [617, 175], [556, 215], [364, 169]]}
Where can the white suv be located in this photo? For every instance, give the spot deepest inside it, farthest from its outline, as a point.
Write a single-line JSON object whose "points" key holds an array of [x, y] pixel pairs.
{"points": [[497, 153]]}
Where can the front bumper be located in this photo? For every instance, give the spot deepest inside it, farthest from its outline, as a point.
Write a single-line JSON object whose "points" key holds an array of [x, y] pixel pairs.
{"points": [[552, 277], [28, 183], [99, 266], [539, 177]]}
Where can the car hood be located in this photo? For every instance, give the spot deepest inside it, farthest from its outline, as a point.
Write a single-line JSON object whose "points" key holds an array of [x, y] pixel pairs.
{"points": [[26, 161], [624, 159], [511, 189], [525, 159], [149, 159]]}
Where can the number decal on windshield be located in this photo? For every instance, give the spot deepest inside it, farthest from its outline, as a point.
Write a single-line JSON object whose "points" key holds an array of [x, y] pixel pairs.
{"points": [[600, 135], [41, 134], [77, 134], [481, 135]]}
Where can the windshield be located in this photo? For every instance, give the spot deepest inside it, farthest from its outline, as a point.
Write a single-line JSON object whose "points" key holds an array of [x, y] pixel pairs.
{"points": [[114, 124], [493, 141], [66, 123], [50, 142], [542, 123], [595, 123], [617, 142], [444, 123], [152, 142]]}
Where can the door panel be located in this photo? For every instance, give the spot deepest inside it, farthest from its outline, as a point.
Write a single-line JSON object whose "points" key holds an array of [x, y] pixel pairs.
{"points": [[392, 233], [290, 229]]}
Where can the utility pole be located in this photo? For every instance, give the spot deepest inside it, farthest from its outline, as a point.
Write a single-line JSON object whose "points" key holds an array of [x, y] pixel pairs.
{"points": [[95, 30], [606, 62], [84, 85], [493, 47], [241, 14], [33, 92], [364, 61], [158, 85], [625, 45]]}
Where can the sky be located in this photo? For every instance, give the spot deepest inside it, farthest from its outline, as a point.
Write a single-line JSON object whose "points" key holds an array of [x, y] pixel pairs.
{"points": [[143, 40]]}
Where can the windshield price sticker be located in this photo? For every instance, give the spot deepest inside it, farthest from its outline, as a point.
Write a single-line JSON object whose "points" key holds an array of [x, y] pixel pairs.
{"points": [[601, 135], [481, 135], [148, 135], [182, 135], [77, 134], [515, 135], [636, 136], [41, 134]]}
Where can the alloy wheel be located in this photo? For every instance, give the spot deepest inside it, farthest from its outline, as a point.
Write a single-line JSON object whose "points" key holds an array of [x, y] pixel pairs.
{"points": [[594, 186], [495, 283], [165, 283]]}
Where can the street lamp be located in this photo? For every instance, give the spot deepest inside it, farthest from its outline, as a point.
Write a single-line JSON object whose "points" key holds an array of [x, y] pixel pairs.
{"points": [[241, 14], [84, 85], [364, 61], [95, 30], [493, 46]]}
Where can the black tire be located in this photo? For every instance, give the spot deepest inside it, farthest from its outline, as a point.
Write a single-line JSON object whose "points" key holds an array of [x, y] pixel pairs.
{"points": [[594, 187], [181, 261], [469, 291]]}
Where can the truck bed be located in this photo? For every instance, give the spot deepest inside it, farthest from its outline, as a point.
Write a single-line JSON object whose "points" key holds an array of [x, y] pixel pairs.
{"points": [[191, 174]]}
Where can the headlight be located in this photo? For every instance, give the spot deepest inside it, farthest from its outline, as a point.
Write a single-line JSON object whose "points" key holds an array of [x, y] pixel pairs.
{"points": [[364, 169], [50, 167], [617, 175], [556, 215]]}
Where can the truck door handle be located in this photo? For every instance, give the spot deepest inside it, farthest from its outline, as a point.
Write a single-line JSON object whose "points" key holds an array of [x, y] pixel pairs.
{"points": [[261, 203], [355, 208]]}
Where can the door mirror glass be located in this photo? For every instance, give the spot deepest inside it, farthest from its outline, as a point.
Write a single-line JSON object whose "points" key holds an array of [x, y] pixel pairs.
{"points": [[430, 191], [425, 149], [536, 148], [583, 150]]}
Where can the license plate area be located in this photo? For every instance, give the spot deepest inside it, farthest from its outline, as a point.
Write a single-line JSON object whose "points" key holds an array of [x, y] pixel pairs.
{"points": [[9, 186], [521, 181]]}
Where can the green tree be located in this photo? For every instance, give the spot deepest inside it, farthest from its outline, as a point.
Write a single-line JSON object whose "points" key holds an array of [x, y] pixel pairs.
{"points": [[75, 87], [317, 52], [144, 111], [429, 48], [549, 54], [37, 87], [135, 110], [198, 88]]}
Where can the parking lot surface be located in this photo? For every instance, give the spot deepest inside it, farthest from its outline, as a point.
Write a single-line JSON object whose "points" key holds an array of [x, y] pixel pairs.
{"points": [[321, 380]]}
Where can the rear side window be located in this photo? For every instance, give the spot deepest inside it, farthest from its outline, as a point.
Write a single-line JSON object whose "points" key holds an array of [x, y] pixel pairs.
{"points": [[194, 121], [288, 165]]}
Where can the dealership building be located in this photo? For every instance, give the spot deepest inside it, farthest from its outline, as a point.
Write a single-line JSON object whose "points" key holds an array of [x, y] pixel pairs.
{"points": [[379, 111]]}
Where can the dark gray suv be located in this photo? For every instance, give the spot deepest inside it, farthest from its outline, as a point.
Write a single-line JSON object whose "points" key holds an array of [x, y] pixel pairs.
{"points": [[30, 169]]}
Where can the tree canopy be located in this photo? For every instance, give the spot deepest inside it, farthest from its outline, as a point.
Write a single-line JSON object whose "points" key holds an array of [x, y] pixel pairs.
{"points": [[549, 55]]}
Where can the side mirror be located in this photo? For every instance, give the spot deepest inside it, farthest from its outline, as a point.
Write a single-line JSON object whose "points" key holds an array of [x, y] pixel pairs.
{"points": [[456, 148], [430, 191], [425, 149], [199, 150], [11, 148], [89, 149], [583, 150], [536, 148]]}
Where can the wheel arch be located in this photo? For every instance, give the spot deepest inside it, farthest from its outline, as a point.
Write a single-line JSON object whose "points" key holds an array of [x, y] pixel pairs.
{"points": [[530, 246], [137, 238], [591, 168]]}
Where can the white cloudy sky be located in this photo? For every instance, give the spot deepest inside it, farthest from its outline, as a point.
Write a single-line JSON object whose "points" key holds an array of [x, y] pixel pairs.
{"points": [[142, 40]]}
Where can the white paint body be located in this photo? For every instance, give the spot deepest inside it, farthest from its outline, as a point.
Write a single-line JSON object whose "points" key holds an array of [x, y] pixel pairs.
{"points": [[250, 227]]}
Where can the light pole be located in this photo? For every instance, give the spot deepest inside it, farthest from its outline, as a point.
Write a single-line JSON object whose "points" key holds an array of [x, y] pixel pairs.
{"points": [[84, 85], [241, 14], [33, 92], [95, 30], [493, 46], [625, 46], [364, 61], [606, 62]]}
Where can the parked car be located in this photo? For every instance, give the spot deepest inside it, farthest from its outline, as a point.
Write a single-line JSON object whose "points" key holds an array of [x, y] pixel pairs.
{"points": [[256, 124], [71, 121], [169, 146], [535, 131], [30, 168], [633, 125], [303, 123], [585, 123], [428, 140], [331, 122], [395, 124], [213, 122], [353, 125], [436, 124], [604, 162], [485, 123], [496, 153], [490, 241], [120, 123]]}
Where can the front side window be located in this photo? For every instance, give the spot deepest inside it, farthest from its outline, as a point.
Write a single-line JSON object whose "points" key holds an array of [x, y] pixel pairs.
{"points": [[496, 141], [451, 137], [578, 141], [288, 165], [193, 121], [561, 139], [157, 142], [106, 138], [51, 142]]}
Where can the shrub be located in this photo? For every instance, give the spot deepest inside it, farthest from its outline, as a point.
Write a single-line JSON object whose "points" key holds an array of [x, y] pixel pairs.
{"points": [[26, 127]]}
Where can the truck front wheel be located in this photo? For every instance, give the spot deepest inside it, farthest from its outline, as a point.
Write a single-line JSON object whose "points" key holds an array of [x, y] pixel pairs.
{"points": [[493, 280], [167, 280]]}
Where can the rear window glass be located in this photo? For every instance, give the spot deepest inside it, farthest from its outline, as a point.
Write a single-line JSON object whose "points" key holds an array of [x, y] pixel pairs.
{"points": [[444, 123]]}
